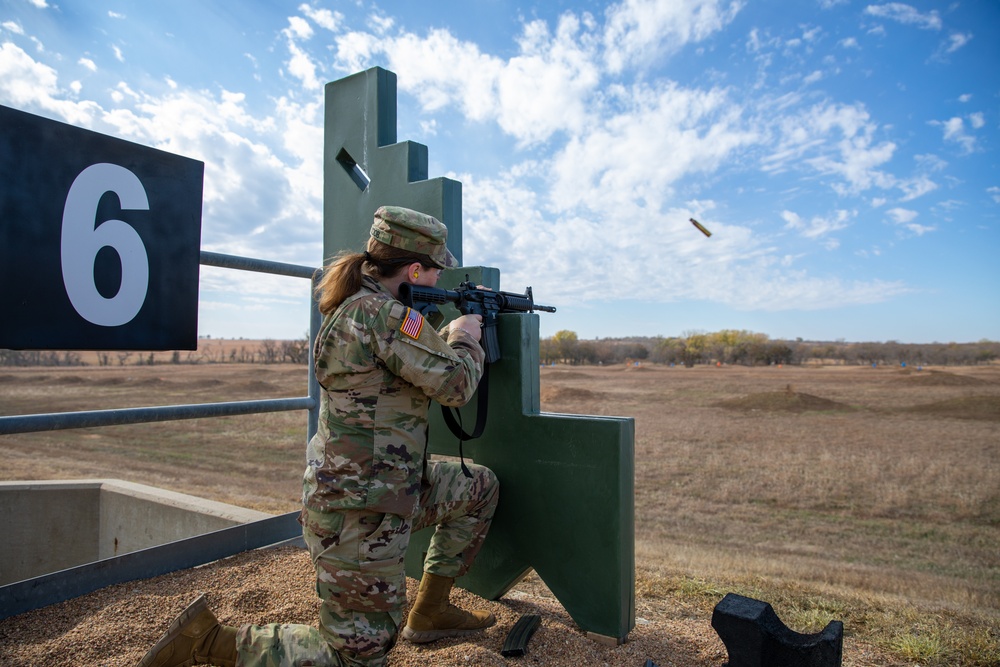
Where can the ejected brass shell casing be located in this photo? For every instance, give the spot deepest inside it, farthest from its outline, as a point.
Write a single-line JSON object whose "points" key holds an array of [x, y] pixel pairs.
{"points": [[700, 227]]}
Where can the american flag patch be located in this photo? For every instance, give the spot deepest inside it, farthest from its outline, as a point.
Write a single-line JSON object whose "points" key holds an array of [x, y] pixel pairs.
{"points": [[412, 323]]}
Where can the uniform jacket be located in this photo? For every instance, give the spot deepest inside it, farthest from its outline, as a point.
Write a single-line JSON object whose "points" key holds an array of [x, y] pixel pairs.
{"points": [[380, 364]]}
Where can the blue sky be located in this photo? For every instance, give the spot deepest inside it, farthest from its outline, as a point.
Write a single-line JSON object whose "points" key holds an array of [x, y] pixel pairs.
{"points": [[844, 154]]}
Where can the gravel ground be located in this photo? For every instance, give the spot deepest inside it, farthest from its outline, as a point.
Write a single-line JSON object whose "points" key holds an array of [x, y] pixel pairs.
{"points": [[115, 626]]}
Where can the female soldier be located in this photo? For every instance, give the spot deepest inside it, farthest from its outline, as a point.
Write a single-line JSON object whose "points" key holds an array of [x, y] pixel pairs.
{"points": [[367, 484]]}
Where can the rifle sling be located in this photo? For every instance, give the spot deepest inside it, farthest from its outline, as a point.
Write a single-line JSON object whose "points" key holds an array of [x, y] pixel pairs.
{"points": [[453, 418]]}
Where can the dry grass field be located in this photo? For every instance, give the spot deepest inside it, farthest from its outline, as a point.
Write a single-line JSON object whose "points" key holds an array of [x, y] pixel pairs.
{"points": [[870, 496]]}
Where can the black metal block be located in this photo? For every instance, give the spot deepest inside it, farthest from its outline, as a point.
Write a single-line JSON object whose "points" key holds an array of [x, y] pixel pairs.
{"points": [[756, 637]]}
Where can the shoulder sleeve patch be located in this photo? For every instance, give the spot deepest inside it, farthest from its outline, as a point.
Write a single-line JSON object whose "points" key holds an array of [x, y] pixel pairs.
{"points": [[413, 323], [396, 312]]}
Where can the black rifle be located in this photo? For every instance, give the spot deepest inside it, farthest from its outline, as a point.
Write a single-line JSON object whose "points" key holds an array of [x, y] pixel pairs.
{"points": [[470, 300]]}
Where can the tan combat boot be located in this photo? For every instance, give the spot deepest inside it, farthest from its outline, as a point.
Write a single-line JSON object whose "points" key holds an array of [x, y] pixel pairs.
{"points": [[194, 638], [434, 617]]}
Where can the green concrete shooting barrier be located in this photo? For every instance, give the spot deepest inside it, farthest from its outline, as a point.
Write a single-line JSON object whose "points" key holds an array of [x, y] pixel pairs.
{"points": [[364, 167], [567, 481]]}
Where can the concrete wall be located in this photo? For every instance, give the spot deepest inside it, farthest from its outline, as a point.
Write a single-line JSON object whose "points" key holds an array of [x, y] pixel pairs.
{"points": [[46, 529], [47, 526]]}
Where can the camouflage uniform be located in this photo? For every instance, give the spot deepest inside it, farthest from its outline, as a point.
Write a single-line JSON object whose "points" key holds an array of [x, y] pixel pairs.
{"points": [[367, 484]]}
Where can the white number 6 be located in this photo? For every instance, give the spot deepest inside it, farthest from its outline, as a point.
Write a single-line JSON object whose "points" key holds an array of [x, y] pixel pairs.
{"points": [[81, 241]]}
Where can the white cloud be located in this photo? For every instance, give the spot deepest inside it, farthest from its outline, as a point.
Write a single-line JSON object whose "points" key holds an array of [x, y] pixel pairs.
{"points": [[41, 4], [33, 86], [849, 43], [904, 218], [920, 230], [569, 256], [930, 162], [355, 50], [115, 15], [818, 226], [244, 179], [300, 64], [915, 187], [503, 221], [380, 23], [542, 90], [754, 289], [442, 71], [125, 90], [429, 128], [977, 120], [298, 28], [957, 41], [874, 252], [756, 42], [901, 215], [637, 31], [302, 67], [88, 63], [12, 26], [906, 14], [835, 140], [324, 18], [545, 89], [618, 164], [506, 225], [118, 53], [994, 193], [954, 131], [951, 44]]}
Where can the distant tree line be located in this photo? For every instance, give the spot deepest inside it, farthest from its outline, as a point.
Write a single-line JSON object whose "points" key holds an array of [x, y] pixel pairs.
{"points": [[40, 358], [747, 348], [728, 346], [266, 352]]}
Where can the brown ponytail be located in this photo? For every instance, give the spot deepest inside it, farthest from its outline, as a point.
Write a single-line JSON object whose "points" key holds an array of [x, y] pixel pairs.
{"points": [[342, 277]]}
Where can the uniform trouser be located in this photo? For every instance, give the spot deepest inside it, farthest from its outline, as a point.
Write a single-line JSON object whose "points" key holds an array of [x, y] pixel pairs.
{"points": [[360, 572]]}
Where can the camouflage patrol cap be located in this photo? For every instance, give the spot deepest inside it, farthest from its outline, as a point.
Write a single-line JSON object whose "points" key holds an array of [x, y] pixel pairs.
{"points": [[411, 230]]}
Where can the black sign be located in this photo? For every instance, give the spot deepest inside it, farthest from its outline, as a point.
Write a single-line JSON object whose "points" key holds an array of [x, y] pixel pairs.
{"points": [[100, 240]]}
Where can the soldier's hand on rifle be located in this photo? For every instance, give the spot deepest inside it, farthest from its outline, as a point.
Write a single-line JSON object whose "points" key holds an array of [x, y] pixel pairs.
{"points": [[472, 324]]}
